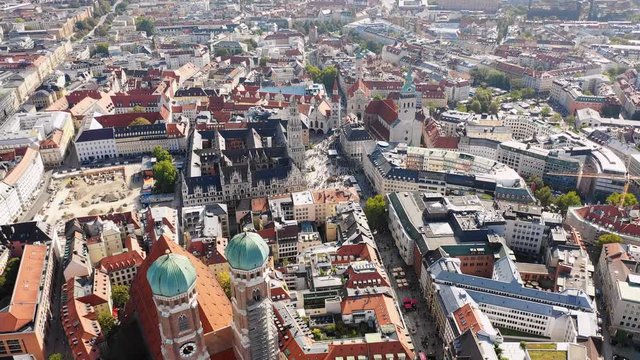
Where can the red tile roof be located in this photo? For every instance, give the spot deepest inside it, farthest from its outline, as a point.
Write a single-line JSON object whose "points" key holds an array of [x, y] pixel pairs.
{"points": [[386, 109], [121, 261], [214, 306], [123, 120], [359, 86], [25, 297]]}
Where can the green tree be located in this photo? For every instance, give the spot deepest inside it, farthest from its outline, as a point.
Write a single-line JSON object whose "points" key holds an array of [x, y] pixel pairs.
{"points": [[101, 31], [484, 97], [140, 121], [377, 97], [536, 181], [329, 75], [251, 44], [121, 8], [475, 106], [616, 199], [81, 25], [56, 356], [528, 93], [544, 195], [318, 334], [461, 107], [146, 25], [102, 48], [546, 111], [494, 107], [221, 52], [375, 210], [107, 323], [609, 239], [556, 117], [165, 174], [120, 295], [571, 121], [18, 20], [161, 154], [225, 282], [325, 76], [8, 278], [565, 201], [137, 109], [263, 61]]}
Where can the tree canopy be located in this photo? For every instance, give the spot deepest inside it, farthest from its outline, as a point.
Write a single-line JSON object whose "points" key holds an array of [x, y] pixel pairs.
{"points": [[8, 278], [325, 76], [140, 121], [609, 239], [546, 111], [616, 199], [56, 356], [165, 174], [375, 210], [137, 109], [544, 195], [146, 25], [107, 323], [161, 154], [565, 201], [102, 48], [490, 77], [120, 295], [225, 281]]}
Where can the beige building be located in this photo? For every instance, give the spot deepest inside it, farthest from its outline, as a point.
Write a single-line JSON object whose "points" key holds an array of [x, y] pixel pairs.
{"points": [[107, 241], [621, 287]]}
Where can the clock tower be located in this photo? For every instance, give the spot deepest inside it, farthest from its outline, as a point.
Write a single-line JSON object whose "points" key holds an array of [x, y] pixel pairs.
{"points": [[173, 282]]}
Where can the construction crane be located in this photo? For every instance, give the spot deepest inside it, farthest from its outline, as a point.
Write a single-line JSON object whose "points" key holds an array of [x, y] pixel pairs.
{"points": [[627, 178]]}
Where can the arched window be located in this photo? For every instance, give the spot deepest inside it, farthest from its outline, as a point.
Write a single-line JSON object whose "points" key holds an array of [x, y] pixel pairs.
{"points": [[256, 295], [183, 323]]}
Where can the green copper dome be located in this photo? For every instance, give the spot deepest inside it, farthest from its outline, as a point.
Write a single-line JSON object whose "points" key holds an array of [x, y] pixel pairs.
{"points": [[171, 275], [247, 251]]}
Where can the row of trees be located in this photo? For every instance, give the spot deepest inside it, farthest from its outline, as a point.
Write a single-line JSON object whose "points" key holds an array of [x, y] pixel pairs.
{"points": [[563, 202], [324, 27]]}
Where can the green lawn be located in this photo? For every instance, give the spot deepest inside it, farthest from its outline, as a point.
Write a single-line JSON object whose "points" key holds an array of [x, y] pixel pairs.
{"points": [[548, 355], [541, 346]]}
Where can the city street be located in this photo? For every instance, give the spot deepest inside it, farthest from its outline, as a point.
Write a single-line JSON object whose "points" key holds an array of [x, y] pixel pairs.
{"points": [[419, 322], [42, 198]]}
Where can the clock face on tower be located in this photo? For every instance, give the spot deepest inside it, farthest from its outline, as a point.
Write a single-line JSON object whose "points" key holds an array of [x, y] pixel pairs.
{"points": [[187, 349]]}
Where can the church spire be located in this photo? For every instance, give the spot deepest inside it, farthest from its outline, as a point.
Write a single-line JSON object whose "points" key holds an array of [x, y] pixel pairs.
{"points": [[409, 87]]}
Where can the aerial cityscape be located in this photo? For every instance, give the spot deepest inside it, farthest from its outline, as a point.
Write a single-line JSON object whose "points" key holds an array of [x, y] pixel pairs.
{"points": [[320, 179]]}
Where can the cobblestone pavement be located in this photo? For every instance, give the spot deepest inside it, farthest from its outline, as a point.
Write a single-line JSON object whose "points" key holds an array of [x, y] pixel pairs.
{"points": [[420, 323]]}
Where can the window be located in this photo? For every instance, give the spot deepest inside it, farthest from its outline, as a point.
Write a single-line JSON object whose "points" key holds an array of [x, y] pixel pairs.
{"points": [[183, 323]]}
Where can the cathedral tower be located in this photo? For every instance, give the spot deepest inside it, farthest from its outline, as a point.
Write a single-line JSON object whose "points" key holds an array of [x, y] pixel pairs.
{"points": [[255, 335], [173, 282]]}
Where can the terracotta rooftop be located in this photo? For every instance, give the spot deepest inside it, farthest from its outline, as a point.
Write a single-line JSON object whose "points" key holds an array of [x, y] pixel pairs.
{"points": [[25, 297], [214, 306], [121, 261]]}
